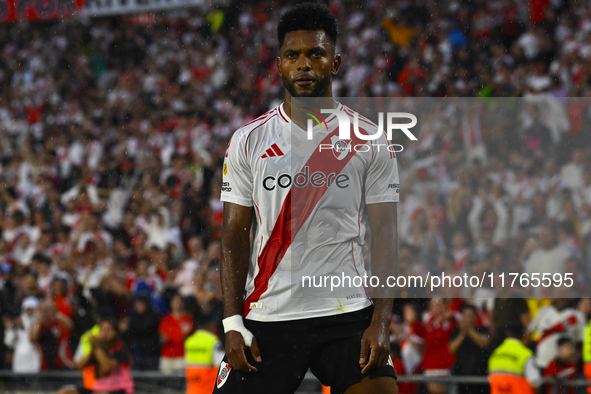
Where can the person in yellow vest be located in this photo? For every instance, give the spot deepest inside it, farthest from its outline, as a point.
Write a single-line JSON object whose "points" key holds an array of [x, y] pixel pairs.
{"points": [[203, 354], [84, 348], [587, 353], [511, 366]]}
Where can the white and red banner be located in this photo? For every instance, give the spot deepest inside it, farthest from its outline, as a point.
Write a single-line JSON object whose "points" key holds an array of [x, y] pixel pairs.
{"points": [[116, 7]]}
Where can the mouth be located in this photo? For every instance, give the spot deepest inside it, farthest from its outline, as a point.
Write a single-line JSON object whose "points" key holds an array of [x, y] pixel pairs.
{"points": [[304, 81]]}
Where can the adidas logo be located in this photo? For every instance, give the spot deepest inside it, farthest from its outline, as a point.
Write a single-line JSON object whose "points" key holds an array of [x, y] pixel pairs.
{"points": [[272, 152]]}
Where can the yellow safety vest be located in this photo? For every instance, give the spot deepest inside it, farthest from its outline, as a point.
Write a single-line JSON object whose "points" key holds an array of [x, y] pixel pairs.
{"points": [[587, 353], [587, 343], [200, 370], [88, 374], [506, 368]]}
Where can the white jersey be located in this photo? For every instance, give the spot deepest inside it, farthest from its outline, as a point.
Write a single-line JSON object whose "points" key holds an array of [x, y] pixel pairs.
{"points": [[553, 324], [310, 212]]}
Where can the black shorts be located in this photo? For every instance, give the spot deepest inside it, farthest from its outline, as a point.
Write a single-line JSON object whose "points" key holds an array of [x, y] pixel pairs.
{"points": [[328, 346]]}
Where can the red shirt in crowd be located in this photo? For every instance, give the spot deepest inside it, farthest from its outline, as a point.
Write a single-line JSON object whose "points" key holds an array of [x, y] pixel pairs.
{"points": [[64, 306], [54, 341], [172, 329], [560, 371], [437, 355]]}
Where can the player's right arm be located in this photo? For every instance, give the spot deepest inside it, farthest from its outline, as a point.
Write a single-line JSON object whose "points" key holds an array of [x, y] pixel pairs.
{"points": [[237, 195], [233, 270]]}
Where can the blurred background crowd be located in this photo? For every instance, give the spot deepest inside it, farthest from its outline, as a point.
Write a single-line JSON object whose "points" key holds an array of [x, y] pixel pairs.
{"points": [[112, 138]]}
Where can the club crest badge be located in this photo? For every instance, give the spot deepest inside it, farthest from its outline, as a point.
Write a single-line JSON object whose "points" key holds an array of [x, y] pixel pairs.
{"points": [[340, 148], [223, 374]]}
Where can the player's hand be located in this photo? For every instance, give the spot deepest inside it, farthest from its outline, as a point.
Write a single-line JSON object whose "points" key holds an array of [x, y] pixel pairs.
{"points": [[375, 347], [236, 354]]}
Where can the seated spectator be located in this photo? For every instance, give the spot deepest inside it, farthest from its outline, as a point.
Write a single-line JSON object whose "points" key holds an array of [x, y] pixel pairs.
{"points": [[563, 367], [174, 330], [111, 361]]}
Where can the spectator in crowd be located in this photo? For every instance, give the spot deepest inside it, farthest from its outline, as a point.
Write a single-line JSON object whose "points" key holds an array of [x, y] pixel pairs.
{"points": [[59, 295], [142, 330], [411, 339], [51, 331], [184, 279], [41, 265], [563, 367], [547, 257], [111, 361], [439, 325], [553, 322], [17, 336], [469, 345], [174, 330]]}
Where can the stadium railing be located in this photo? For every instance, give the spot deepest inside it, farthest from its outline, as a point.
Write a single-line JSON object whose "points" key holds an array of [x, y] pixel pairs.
{"points": [[156, 381]]}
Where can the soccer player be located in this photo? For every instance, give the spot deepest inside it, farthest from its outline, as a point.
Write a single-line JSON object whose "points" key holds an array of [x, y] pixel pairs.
{"points": [[274, 333]]}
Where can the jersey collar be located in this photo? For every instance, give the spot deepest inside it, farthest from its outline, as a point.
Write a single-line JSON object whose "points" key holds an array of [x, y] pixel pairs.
{"points": [[287, 120]]}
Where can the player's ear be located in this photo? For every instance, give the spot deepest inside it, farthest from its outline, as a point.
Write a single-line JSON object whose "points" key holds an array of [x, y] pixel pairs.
{"points": [[336, 64], [278, 64]]}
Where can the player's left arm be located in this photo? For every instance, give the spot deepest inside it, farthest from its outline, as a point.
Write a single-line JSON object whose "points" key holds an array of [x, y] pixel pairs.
{"points": [[375, 344]]}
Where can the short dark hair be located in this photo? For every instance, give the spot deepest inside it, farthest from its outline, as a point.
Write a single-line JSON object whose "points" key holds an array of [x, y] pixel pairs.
{"points": [[466, 305], [515, 329], [563, 341], [41, 258], [308, 16]]}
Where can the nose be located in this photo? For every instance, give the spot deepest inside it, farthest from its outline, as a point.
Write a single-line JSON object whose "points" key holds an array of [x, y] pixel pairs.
{"points": [[303, 63]]}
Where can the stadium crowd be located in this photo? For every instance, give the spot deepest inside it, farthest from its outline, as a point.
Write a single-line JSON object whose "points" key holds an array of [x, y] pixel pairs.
{"points": [[112, 137]]}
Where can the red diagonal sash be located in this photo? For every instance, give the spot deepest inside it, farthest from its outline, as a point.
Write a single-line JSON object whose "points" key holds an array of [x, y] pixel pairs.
{"points": [[305, 199]]}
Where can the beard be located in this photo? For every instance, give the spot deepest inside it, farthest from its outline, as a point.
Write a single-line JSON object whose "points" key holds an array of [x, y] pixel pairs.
{"points": [[318, 87]]}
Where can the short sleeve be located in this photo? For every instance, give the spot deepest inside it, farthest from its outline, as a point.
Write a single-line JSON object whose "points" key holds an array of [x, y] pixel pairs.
{"points": [[237, 183], [382, 183]]}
